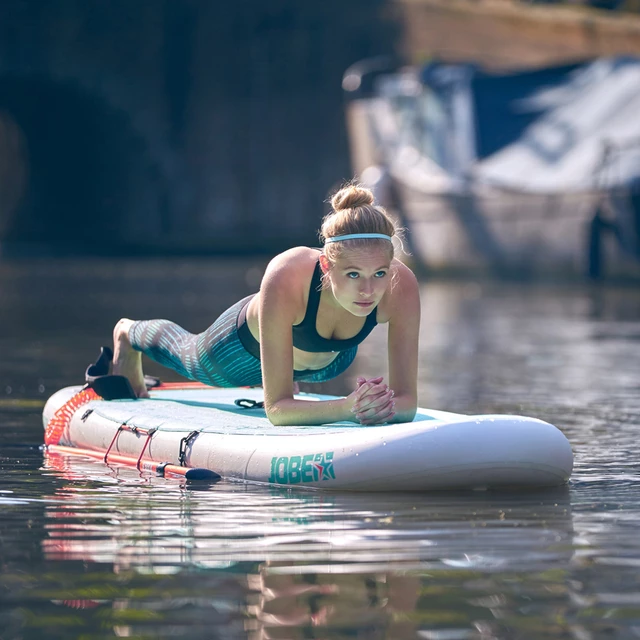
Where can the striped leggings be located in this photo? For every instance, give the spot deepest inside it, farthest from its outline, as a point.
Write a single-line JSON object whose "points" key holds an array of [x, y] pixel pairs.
{"points": [[216, 356]]}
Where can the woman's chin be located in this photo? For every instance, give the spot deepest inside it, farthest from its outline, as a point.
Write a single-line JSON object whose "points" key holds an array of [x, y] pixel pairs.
{"points": [[359, 309]]}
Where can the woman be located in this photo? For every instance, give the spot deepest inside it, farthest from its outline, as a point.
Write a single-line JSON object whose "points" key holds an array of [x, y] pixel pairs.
{"points": [[313, 309]]}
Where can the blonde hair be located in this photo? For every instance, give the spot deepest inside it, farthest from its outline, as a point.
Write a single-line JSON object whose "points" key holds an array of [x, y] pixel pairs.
{"points": [[354, 211]]}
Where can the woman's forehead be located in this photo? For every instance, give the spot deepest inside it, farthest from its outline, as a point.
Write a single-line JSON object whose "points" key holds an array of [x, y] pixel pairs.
{"points": [[370, 258]]}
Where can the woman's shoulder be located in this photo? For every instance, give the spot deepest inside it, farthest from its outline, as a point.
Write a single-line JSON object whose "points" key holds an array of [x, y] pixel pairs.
{"points": [[291, 270], [405, 284], [403, 274], [294, 262], [403, 290], [285, 284]]}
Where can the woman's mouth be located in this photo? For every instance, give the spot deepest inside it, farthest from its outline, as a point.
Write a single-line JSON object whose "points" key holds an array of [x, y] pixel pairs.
{"points": [[365, 305]]}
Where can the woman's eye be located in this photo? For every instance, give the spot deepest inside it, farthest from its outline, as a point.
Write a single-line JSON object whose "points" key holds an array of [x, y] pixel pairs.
{"points": [[353, 275], [380, 274]]}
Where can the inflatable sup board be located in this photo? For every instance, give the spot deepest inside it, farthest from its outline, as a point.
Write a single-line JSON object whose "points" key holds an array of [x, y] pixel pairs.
{"points": [[200, 431]]}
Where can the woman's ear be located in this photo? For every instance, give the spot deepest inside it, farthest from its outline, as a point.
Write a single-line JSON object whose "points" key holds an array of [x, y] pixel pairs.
{"points": [[325, 265]]}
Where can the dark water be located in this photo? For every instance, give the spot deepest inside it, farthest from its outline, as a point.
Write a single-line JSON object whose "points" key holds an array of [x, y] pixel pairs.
{"points": [[89, 551]]}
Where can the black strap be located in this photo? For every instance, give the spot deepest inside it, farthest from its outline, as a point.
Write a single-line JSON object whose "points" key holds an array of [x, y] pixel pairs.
{"points": [[313, 302], [101, 366], [160, 469], [151, 382], [112, 388], [246, 403]]}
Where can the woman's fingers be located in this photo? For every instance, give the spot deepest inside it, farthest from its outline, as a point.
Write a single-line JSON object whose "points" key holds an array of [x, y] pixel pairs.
{"points": [[385, 415], [386, 403], [374, 397], [382, 414], [360, 381], [372, 400], [370, 387]]}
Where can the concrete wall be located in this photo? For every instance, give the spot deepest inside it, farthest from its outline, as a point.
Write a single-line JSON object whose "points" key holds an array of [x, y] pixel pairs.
{"points": [[175, 124]]}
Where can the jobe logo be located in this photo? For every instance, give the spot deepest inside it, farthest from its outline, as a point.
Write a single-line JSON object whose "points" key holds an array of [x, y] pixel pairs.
{"points": [[297, 469]]}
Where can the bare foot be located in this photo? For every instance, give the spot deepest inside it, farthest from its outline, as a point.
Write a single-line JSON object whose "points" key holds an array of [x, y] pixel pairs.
{"points": [[126, 360]]}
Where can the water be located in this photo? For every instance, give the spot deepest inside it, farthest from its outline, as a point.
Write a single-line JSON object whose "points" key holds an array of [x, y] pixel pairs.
{"points": [[89, 551]]}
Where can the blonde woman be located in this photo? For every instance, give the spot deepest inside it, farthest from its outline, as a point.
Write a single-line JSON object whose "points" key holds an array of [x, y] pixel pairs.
{"points": [[313, 309]]}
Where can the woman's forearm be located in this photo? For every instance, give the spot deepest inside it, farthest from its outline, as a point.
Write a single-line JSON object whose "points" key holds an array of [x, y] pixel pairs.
{"points": [[289, 411], [406, 407]]}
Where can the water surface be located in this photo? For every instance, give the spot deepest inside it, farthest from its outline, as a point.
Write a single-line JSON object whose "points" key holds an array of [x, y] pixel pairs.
{"points": [[90, 551]]}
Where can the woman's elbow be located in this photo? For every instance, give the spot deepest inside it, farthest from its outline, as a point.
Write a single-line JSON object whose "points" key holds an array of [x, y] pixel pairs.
{"points": [[276, 416], [405, 411], [272, 416]]}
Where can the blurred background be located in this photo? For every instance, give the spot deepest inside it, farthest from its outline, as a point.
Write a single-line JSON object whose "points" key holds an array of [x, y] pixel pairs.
{"points": [[174, 126], [155, 154]]}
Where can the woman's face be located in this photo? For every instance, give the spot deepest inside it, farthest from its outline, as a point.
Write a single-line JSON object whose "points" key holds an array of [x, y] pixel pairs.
{"points": [[359, 279]]}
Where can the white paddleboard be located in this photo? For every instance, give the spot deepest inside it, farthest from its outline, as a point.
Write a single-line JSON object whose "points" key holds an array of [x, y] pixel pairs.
{"points": [[437, 450]]}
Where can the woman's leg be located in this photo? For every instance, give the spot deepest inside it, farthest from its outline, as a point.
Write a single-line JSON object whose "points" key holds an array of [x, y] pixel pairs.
{"points": [[214, 357], [126, 361]]}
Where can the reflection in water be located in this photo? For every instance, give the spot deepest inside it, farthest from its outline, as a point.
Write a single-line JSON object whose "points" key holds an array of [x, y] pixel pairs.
{"points": [[92, 551], [382, 565]]}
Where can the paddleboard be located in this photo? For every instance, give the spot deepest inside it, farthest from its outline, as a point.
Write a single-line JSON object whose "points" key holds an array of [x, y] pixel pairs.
{"points": [[191, 428]]}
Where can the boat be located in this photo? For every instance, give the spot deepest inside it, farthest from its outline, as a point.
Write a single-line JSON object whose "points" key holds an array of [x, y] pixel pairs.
{"points": [[508, 172], [206, 433]]}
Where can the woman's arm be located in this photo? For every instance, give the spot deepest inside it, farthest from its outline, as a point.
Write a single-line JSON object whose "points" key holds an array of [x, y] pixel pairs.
{"points": [[404, 329], [280, 299], [403, 308]]}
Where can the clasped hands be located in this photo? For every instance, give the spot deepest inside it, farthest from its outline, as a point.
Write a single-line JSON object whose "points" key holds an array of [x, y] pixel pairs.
{"points": [[372, 401]]}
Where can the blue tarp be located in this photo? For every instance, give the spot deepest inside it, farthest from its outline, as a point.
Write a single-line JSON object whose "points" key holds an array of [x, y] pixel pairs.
{"points": [[564, 128]]}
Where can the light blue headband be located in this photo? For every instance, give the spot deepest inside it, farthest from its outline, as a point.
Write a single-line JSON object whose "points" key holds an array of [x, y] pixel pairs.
{"points": [[358, 236]]}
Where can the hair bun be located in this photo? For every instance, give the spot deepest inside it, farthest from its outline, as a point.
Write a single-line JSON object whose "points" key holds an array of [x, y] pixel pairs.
{"points": [[351, 197]]}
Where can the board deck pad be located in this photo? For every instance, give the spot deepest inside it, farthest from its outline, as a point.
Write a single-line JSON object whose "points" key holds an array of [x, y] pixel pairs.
{"points": [[215, 411]]}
